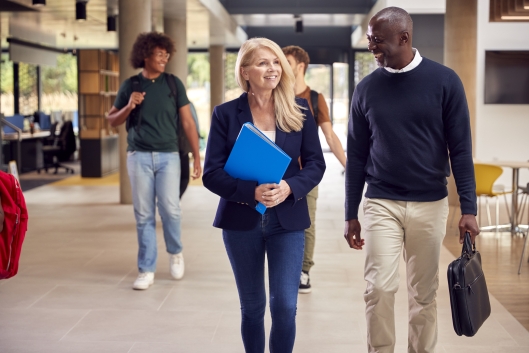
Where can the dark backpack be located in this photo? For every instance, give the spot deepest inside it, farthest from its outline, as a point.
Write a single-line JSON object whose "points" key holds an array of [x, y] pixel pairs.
{"points": [[15, 224], [135, 115], [314, 101]]}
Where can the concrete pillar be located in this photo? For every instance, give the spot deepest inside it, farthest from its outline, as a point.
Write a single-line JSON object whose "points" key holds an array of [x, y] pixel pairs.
{"points": [[176, 28], [134, 18], [460, 53], [216, 75]]}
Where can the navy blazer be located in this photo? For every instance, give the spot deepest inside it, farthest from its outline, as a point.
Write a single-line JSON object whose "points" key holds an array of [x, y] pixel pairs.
{"points": [[236, 210]]}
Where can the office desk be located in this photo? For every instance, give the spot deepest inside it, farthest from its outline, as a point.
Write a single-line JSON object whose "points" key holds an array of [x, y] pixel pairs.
{"points": [[30, 156], [515, 166], [26, 135]]}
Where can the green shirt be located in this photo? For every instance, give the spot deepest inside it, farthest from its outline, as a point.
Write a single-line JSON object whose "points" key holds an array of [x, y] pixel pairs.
{"points": [[157, 132]]}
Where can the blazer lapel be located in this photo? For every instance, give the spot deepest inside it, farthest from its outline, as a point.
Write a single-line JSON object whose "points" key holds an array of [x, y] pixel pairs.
{"points": [[245, 114], [280, 137]]}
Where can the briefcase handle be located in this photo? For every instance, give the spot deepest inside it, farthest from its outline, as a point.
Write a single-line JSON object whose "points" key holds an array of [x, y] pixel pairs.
{"points": [[468, 248]]}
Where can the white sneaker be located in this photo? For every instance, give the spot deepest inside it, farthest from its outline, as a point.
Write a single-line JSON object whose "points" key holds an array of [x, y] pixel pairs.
{"points": [[176, 265], [144, 280]]}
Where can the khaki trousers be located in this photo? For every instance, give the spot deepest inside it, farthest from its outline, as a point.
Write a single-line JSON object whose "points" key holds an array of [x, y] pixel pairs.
{"points": [[389, 226], [310, 233]]}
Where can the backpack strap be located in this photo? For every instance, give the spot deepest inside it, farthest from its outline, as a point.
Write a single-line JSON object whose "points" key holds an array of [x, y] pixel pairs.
{"points": [[171, 81], [135, 114], [314, 101]]}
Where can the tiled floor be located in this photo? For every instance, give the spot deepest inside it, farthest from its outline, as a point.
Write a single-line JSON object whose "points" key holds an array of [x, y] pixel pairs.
{"points": [[73, 292]]}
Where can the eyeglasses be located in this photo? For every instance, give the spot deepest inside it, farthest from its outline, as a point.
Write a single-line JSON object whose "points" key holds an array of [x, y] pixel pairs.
{"points": [[161, 55]]}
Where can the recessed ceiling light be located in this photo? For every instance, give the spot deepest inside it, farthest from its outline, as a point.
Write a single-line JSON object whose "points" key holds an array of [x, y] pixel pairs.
{"points": [[39, 2], [515, 17], [111, 23], [80, 10]]}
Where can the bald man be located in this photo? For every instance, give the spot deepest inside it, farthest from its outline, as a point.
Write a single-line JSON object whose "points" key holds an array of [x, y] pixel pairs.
{"points": [[409, 118]]}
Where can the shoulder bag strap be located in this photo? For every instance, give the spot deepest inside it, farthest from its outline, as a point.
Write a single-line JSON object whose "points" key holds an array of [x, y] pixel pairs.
{"points": [[314, 101], [135, 114]]}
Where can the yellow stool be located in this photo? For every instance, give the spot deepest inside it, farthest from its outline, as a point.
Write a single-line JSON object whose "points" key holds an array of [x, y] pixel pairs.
{"points": [[486, 175]]}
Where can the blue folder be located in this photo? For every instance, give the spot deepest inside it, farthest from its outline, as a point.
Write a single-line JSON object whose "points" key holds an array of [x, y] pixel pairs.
{"points": [[255, 157]]}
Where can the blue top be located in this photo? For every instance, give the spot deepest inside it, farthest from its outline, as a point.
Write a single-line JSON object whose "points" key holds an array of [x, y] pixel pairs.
{"points": [[236, 210], [403, 128]]}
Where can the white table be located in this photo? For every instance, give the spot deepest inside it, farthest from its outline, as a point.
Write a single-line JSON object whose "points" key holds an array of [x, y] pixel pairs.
{"points": [[515, 166]]}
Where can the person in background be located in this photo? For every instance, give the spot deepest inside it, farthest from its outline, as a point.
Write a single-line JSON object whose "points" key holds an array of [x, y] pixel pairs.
{"points": [[268, 101], [408, 119], [153, 161], [299, 61], [184, 148]]}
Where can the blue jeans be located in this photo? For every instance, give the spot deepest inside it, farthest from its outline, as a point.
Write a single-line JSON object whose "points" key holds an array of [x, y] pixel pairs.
{"points": [[284, 249], [155, 176]]}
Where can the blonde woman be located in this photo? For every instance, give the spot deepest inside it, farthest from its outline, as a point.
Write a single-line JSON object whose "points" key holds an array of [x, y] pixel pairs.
{"points": [[263, 72]]}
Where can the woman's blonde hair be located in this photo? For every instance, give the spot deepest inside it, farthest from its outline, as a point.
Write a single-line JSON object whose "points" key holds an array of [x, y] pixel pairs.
{"points": [[288, 113]]}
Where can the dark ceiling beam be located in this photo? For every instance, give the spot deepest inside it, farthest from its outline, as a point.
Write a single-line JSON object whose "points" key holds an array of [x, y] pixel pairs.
{"points": [[12, 6], [337, 37], [245, 7]]}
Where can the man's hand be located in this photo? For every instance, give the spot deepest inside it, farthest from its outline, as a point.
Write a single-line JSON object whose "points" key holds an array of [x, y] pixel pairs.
{"points": [[136, 98], [468, 224], [352, 234], [197, 168]]}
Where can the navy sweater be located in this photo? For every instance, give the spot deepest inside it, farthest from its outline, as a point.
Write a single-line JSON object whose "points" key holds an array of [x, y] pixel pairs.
{"points": [[403, 128]]}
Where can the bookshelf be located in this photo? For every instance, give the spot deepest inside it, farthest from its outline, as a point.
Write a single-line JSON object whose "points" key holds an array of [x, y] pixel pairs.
{"points": [[98, 85]]}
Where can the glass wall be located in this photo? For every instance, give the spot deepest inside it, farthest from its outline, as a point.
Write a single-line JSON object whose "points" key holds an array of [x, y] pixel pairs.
{"points": [[7, 104], [231, 88], [364, 65], [59, 85], [336, 93], [198, 84]]}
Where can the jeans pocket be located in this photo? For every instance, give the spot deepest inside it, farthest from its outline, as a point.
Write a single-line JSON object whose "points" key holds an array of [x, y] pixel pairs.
{"points": [[131, 153]]}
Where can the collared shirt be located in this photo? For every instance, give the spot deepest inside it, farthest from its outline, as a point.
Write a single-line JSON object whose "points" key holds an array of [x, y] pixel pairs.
{"points": [[417, 58]]}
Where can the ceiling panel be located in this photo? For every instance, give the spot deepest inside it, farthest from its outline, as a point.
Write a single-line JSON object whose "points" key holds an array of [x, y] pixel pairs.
{"points": [[309, 20], [298, 6], [58, 16]]}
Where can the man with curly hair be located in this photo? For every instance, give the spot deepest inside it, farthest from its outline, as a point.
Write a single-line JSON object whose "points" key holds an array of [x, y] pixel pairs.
{"points": [[152, 105]]}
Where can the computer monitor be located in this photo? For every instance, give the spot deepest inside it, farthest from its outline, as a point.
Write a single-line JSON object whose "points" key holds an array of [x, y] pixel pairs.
{"points": [[44, 121], [17, 120]]}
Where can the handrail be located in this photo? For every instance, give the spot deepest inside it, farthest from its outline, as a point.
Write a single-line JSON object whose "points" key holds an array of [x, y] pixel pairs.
{"points": [[18, 130]]}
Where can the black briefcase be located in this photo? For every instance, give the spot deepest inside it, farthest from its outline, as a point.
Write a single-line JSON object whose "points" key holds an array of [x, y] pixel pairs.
{"points": [[469, 298]]}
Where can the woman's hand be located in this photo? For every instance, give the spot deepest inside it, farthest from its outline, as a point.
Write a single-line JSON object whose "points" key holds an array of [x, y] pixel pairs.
{"points": [[272, 195]]}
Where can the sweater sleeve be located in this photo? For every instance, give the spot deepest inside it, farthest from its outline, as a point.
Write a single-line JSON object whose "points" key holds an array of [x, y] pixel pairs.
{"points": [[357, 153], [458, 135]]}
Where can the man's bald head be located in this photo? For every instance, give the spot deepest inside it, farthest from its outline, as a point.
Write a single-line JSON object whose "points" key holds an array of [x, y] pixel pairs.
{"points": [[395, 18]]}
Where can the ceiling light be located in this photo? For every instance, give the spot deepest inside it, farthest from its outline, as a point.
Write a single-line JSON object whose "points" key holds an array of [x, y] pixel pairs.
{"points": [[39, 2], [80, 10], [298, 24], [515, 17], [111, 23]]}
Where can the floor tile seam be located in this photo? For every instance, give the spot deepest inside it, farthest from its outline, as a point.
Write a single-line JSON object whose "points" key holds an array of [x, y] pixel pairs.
{"points": [[126, 275], [165, 299], [77, 323], [507, 332], [217, 326], [42, 297], [131, 347], [95, 257]]}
